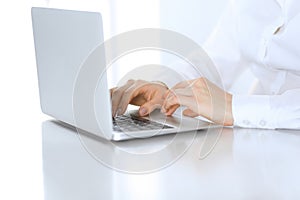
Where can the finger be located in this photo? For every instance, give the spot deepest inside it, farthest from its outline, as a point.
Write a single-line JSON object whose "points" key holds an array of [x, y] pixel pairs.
{"points": [[190, 113], [148, 107], [125, 99], [144, 89], [178, 99], [115, 99], [139, 87], [117, 93], [152, 102], [172, 109], [111, 91], [169, 110], [167, 93], [168, 102]]}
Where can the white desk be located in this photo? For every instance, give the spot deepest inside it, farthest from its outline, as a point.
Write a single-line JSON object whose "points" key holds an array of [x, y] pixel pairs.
{"points": [[243, 164]]}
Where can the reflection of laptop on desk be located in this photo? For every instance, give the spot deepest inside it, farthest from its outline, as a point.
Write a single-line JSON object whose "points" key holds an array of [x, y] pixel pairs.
{"points": [[63, 40]]}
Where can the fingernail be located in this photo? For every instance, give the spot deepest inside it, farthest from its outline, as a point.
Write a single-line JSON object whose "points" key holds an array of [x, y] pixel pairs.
{"points": [[143, 111], [118, 112]]}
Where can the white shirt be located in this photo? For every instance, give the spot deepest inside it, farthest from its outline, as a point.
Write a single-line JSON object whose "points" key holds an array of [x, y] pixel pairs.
{"points": [[256, 45]]}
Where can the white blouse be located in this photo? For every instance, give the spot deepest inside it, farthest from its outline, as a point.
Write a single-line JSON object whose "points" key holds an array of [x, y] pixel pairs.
{"points": [[256, 48]]}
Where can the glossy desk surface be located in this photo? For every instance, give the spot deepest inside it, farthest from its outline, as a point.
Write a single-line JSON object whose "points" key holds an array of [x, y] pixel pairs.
{"points": [[218, 164]]}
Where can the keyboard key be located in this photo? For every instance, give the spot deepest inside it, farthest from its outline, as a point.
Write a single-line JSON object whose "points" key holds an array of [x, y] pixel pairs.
{"points": [[132, 123]]}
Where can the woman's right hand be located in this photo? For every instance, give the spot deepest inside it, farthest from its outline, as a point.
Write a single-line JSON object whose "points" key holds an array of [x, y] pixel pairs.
{"points": [[148, 95]]}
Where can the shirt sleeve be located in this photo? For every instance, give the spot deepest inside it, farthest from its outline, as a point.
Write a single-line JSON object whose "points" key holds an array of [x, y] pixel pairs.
{"points": [[267, 111], [223, 47]]}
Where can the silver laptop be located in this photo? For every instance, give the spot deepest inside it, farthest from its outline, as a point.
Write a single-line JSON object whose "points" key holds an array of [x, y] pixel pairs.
{"points": [[63, 40]]}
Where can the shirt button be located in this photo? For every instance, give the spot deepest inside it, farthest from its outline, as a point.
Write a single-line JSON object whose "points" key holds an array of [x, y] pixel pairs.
{"points": [[262, 123]]}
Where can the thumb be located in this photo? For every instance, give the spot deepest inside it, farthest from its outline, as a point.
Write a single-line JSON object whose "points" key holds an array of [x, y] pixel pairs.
{"points": [[190, 113], [148, 107]]}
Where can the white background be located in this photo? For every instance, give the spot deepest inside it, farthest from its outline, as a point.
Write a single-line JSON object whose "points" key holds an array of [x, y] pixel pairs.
{"points": [[20, 115]]}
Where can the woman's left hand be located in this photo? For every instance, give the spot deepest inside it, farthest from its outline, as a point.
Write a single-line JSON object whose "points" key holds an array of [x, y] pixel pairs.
{"points": [[201, 97]]}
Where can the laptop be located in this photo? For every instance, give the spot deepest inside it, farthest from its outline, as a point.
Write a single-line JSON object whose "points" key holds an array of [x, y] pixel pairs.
{"points": [[63, 40]]}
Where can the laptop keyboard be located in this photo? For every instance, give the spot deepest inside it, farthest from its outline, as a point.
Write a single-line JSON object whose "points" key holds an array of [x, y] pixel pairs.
{"points": [[131, 123]]}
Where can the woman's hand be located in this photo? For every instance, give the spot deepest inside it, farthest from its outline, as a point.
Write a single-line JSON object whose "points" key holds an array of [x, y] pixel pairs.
{"points": [[147, 95], [201, 97]]}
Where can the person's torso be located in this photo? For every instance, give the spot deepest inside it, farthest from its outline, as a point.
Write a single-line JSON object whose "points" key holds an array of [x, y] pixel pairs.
{"points": [[268, 36]]}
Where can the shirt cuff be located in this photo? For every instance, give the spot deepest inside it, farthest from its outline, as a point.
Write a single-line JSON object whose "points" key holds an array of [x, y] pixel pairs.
{"points": [[253, 111]]}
